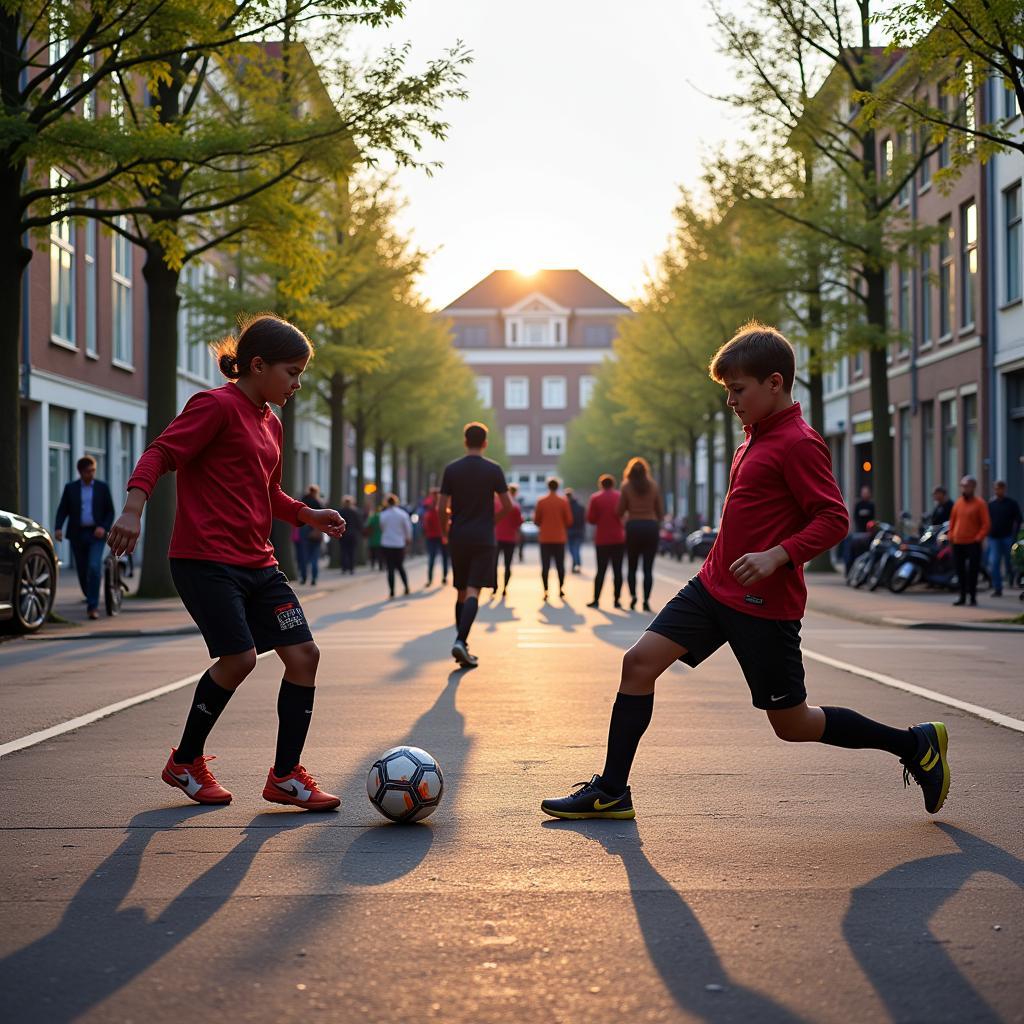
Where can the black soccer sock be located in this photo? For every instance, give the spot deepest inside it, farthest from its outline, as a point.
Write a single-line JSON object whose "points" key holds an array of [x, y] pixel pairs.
{"points": [[846, 728], [631, 714], [458, 613], [207, 704], [467, 617], [294, 710]]}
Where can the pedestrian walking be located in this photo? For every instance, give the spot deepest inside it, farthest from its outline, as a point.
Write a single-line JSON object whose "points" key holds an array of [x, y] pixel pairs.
{"points": [[349, 540], [942, 507], [577, 531], [609, 537], [373, 538], [750, 592], [395, 537], [553, 518], [311, 539], [466, 509], [1005, 519], [506, 532], [968, 527], [225, 446], [87, 506], [436, 545], [641, 505]]}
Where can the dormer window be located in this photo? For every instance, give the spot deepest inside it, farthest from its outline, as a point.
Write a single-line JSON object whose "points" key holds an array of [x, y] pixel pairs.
{"points": [[536, 322]]}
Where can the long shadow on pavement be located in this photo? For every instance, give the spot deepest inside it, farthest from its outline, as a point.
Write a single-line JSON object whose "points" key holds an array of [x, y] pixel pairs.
{"points": [[887, 925], [100, 946], [677, 945]]}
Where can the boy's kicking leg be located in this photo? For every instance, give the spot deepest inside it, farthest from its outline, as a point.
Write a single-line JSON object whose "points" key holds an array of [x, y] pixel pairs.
{"points": [[288, 782]]}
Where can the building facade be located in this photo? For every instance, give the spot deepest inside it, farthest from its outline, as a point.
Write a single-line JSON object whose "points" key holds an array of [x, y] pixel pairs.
{"points": [[534, 343]]}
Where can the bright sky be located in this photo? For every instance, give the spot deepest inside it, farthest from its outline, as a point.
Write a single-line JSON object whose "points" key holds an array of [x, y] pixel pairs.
{"points": [[583, 119]]}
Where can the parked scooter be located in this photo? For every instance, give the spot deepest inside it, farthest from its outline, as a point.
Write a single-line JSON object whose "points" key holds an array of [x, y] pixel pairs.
{"points": [[930, 560], [865, 565]]}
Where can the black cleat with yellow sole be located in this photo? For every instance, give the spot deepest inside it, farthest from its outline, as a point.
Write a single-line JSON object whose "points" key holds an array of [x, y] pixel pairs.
{"points": [[929, 767], [589, 800]]}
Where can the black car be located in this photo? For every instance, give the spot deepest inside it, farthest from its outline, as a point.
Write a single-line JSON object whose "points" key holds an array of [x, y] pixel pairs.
{"points": [[28, 573]]}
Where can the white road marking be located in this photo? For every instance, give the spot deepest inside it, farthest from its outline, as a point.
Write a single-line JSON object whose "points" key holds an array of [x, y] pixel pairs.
{"points": [[94, 716], [897, 645], [535, 646], [939, 698]]}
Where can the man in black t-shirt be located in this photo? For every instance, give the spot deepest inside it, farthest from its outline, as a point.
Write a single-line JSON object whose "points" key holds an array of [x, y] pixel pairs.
{"points": [[466, 510], [943, 507]]}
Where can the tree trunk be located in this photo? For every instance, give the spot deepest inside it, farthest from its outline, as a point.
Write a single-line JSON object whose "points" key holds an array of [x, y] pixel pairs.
{"points": [[882, 460], [691, 485], [396, 480], [674, 480], [378, 469], [14, 258], [162, 301], [816, 386], [360, 428], [280, 531], [411, 484], [709, 463], [337, 475]]}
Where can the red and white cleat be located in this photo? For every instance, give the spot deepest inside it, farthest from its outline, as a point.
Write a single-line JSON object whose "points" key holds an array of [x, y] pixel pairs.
{"points": [[299, 789], [195, 780]]}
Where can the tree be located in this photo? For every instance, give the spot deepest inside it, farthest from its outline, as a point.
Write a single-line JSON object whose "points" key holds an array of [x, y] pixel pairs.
{"points": [[965, 43]]}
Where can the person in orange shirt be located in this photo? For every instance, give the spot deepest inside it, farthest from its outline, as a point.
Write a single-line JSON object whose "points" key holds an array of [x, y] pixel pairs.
{"points": [[968, 527], [554, 517]]}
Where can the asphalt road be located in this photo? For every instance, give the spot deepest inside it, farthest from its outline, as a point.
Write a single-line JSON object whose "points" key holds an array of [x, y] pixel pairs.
{"points": [[761, 881]]}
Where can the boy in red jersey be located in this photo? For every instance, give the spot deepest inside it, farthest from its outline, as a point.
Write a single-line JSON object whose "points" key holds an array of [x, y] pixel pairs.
{"points": [[225, 446], [782, 508]]}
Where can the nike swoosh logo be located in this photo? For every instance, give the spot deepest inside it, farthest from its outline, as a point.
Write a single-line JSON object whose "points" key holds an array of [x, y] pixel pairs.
{"points": [[598, 806], [781, 696], [191, 786]]}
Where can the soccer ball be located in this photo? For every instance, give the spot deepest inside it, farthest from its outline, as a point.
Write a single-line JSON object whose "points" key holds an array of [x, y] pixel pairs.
{"points": [[405, 784]]}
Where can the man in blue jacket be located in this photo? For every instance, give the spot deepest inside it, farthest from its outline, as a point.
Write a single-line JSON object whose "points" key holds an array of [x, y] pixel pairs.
{"points": [[88, 507]]}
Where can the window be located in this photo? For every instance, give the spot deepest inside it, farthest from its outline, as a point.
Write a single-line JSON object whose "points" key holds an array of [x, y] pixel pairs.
{"points": [[888, 297], [96, 443], [553, 440], [194, 326], [887, 157], [970, 120], [904, 315], [60, 452], [968, 262], [598, 335], [970, 411], [905, 459], [945, 277], [121, 283], [1012, 218], [927, 452], [517, 440], [587, 383], [127, 454], [553, 395], [1010, 106], [60, 41], [944, 116], [62, 269], [950, 444], [535, 333], [904, 146], [517, 393], [925, 334], [858, 364], [89, 257], [471, 336], [485, 391], [924, 168]]}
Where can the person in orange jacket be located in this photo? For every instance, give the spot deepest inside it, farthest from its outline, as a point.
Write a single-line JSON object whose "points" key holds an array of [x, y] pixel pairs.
{"points": [[554, 517], [968, 527]]}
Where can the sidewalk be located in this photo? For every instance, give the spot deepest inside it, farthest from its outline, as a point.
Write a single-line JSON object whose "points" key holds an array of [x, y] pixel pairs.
{"points": [[915, 609], [147, 616]]}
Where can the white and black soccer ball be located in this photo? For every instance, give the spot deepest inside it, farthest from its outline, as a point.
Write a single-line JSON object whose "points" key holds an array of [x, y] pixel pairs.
{"points": [[405, 784]]}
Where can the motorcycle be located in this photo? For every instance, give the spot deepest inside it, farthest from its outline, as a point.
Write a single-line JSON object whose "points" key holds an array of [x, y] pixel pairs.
{"points": [[930, 560], [865, 565]]}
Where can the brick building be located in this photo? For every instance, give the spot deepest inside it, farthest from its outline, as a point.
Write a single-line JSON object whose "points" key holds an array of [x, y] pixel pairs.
{"points": [[534, 343]]}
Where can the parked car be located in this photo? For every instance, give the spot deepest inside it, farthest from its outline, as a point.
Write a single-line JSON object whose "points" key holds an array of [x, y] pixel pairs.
{"points": [[700, 542], [28, 572], [529, 531]]}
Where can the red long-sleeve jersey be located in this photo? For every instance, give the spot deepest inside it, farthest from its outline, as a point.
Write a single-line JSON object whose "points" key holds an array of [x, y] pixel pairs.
{"points": [[227, 454], [781, 491]]}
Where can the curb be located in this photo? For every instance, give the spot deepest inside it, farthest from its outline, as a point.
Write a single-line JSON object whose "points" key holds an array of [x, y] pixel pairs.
{"points": [[922, 624]]}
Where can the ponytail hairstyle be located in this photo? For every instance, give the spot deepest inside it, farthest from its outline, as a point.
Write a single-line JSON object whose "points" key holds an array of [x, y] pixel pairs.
{"points": [[266, 335], [638, 473]]}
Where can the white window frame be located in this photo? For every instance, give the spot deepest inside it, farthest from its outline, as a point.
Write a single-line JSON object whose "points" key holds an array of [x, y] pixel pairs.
{"points": [[1013, 232], [554, 392], [511, 401], [485, 391], [517, 439], [552, 439], [587, 384], [91, 231], [63, 304], [121, 299], [531, 330]]}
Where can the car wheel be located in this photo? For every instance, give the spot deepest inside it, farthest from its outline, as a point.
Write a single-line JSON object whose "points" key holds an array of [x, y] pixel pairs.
{"points": [[34, 589]]}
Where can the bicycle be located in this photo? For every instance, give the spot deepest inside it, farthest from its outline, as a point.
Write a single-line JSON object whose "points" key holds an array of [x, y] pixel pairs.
{"points": [[114, 586]]}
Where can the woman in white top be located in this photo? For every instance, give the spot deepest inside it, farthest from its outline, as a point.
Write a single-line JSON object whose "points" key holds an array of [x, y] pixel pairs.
{"points": [[395, 534]]}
